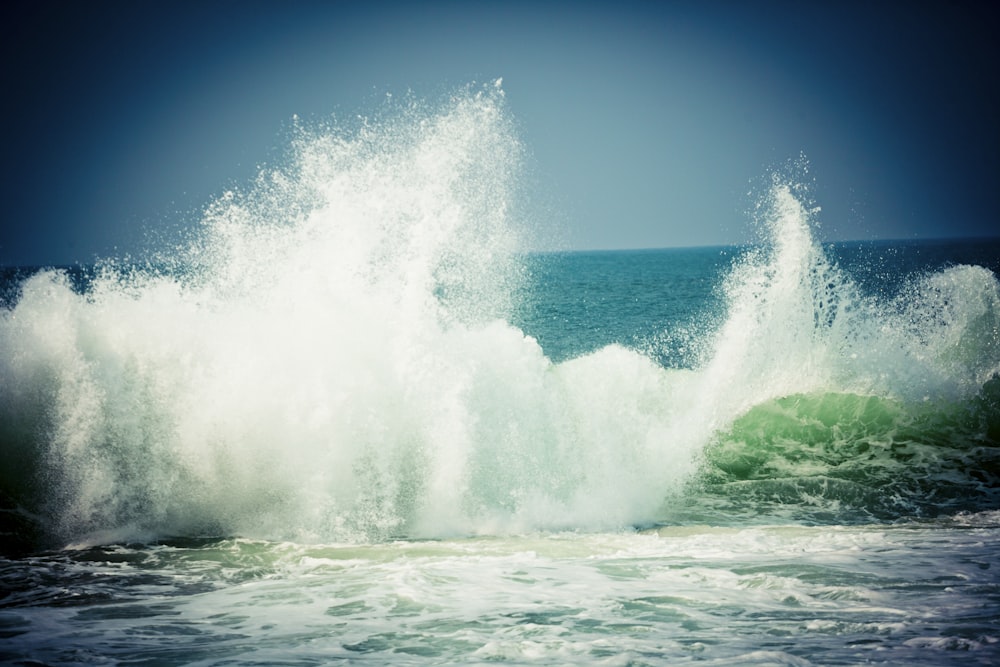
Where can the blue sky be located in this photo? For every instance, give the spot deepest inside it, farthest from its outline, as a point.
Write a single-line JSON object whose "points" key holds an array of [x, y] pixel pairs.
{"points": [[646, 123]]}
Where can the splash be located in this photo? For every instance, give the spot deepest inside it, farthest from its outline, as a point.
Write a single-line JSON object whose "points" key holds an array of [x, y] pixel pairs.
{"points": [[331, 359], [328, 360], [797, 323]]}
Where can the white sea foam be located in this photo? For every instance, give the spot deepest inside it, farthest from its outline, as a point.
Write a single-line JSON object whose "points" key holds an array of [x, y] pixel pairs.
{"points": [[910, 593]]}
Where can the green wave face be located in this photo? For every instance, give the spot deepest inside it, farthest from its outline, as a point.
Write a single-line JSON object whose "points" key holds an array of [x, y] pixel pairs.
{"points": [[845, 457]]}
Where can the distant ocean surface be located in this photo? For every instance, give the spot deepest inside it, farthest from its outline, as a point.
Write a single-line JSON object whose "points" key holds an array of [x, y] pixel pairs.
{"points": [[353, 420]]}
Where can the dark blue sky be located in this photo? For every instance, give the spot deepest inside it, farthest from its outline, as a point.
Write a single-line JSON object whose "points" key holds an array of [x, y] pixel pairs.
{"points": [[647, 123]]}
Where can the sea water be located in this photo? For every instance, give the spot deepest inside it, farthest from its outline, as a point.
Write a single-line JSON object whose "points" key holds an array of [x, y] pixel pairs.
{"points": [[353, 418]]}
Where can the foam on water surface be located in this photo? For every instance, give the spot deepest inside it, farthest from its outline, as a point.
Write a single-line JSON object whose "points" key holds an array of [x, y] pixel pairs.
{"points": [[910, 593]]}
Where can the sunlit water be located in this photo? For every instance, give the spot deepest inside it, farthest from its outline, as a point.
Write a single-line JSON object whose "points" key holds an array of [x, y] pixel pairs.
{"points": [[352, 419]]}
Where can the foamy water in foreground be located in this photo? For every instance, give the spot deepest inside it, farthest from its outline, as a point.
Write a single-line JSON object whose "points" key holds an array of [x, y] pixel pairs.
{"points": [[914, 593]]}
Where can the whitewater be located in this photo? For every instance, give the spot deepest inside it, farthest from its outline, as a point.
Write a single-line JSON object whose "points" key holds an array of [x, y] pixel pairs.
{"points": [[354, 417]]}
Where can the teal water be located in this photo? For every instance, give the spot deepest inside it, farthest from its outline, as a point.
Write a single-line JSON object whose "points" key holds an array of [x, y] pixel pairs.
{"points": [[355, 419], [659, 301]]}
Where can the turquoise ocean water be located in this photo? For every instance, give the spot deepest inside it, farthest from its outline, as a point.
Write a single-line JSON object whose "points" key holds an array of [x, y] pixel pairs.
{"points": [[354, 419]]}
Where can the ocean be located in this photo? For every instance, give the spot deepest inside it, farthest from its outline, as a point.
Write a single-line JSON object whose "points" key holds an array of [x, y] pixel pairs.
{"points": [[354, 417]]}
